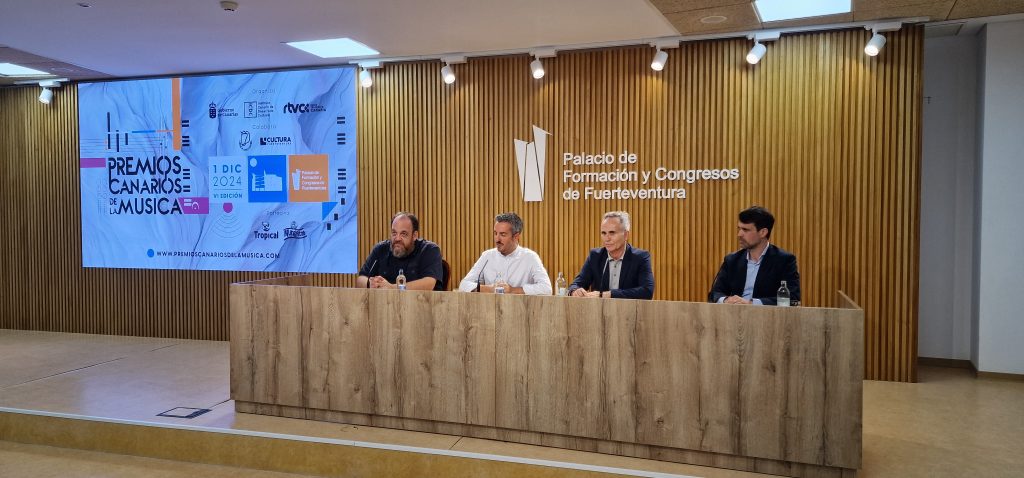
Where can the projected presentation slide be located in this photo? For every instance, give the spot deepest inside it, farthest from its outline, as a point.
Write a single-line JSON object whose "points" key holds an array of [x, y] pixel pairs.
{"points": [[247, 172]]}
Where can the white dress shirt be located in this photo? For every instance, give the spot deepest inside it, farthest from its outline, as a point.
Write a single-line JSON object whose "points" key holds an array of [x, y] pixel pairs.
{"points": [[521, 268]]}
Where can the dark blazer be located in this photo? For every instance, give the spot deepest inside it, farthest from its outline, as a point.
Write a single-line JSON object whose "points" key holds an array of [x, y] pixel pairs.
{"points": [[777, 265], [636, 279]]}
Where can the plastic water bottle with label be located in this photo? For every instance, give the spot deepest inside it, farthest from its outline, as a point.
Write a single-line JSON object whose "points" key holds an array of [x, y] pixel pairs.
{"points": [[782, 298], [560, 288], [400, 280], [500, 284]]}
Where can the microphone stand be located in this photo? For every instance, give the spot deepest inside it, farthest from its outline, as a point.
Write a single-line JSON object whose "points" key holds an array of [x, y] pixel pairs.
{"points": [[480, 276], [600, 287], [369, 273]]}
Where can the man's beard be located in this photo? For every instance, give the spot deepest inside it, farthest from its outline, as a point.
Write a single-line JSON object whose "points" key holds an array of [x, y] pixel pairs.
{"points": [[395, 251]]}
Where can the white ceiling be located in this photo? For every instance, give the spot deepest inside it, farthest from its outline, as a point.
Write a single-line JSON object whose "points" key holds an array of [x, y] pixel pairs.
{"points": [[140, 38], [132, 38]]}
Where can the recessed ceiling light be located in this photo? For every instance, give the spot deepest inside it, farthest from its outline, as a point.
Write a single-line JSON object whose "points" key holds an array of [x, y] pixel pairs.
{"points": [[712, 19], [334, 48], [10, 69], [775, 10]]}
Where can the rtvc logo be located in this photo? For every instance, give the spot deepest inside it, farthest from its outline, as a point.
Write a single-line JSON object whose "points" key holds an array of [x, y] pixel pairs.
{"points": [[531, 158], [303, 108]]}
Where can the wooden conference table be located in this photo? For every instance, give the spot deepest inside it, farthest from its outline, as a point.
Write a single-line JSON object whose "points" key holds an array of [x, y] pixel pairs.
{"points": [[766, 389]]}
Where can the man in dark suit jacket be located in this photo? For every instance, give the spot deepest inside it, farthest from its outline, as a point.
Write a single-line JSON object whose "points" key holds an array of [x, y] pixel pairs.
{"points": [[617, 270], [769, 265]]}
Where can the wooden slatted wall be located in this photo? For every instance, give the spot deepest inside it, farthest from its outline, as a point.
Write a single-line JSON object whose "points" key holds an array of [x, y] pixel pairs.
{"points": [[824, 136]]}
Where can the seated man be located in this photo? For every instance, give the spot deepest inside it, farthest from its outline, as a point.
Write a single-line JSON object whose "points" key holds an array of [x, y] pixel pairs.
{"points": [[753, 274], [419, 259], [617, 270], [517, 266]]}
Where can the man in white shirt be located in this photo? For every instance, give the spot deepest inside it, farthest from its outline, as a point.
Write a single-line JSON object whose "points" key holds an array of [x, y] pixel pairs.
{"points": [[516, 265]]}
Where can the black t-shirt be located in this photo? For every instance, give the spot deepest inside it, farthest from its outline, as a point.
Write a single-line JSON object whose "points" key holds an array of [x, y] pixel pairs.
{"points": [[424, 261]]}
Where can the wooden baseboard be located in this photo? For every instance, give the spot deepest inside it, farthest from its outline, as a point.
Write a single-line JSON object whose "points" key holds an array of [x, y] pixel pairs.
{"points": [[946, 362], [967, 364], [1013, 377], [693, 457]]}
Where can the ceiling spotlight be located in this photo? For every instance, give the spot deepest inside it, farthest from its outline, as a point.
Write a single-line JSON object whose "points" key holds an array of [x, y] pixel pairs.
{"points": [[877, 41], [46, 96], [756, 53], [365, 79], [875, 44], [537, 68], [447, 74], [660, 57]]}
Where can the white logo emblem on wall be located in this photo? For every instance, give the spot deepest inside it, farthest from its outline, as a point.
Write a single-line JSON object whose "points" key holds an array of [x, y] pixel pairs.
{"points": [[531, 158]]}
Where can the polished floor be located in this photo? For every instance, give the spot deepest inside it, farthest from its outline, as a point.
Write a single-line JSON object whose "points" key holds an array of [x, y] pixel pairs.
{"points": [[949, 424]]}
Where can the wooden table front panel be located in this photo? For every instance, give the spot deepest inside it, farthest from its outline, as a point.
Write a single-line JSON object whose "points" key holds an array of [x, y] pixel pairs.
{"points": [[765, 382]]}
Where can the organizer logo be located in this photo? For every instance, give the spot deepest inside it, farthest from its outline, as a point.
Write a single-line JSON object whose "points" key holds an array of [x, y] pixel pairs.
{"points": [[530, 159]]}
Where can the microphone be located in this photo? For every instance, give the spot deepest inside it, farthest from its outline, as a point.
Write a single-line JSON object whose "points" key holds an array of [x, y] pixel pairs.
{"points": [[369, 273], [600, 287], [480, 277]]}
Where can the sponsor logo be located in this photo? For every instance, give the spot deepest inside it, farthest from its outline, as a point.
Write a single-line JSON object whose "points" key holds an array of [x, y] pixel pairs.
{"points": [[267, 182], [245, 141], [264, 232], [249, 110], [531, 157], [215, 112], [275, 140], [268, 178], [301, 108], [308, 178], [266, 236], [294, 232]]}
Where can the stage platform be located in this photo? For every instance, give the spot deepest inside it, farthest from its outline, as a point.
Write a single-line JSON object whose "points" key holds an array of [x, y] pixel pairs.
{"points": [[112, 394], [104, 395]]}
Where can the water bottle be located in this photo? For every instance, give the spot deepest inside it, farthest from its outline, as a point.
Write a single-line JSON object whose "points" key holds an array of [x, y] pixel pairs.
{"points": [[400, 280], [782, 298], [499, 285], [560, 286]]}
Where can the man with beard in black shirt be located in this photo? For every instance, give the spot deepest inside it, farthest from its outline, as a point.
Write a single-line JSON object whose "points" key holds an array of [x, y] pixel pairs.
{"points": [[419, 259]]}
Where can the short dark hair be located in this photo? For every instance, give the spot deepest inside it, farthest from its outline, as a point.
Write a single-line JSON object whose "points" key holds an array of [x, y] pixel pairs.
{"points": [[512, 219], [412, 217], [760, 217]]}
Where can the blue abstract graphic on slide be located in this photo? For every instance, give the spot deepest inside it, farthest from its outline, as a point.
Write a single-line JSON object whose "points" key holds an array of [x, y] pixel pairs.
{"points": [[247, 172]]}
